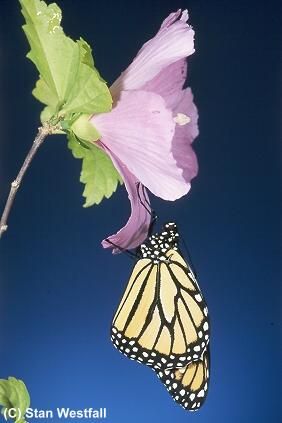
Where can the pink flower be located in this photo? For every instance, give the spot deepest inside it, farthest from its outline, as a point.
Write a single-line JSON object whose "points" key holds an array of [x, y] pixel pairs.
{"points": [[149, 131]]}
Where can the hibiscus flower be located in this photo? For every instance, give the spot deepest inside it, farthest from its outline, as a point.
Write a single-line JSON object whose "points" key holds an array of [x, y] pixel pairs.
{"points": [[149, 131]]}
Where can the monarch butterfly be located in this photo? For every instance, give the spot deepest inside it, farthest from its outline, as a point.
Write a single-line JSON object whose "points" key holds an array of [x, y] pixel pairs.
{"points": [[162, 320]]}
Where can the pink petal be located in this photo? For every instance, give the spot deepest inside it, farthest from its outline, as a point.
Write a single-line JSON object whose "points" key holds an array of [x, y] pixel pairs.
{"points": [[174, 41], [139, 131], [169, 82], [172, 17], [184, 135], [136, 229], [185, 104], [186, 158]]}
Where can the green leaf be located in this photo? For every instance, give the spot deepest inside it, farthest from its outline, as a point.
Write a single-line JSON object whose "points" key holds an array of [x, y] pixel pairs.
{"points": [[98, 172], [44, 94], [69, 82], [14, 394], [56, 56], [89, 94], [47, 113], [87, 57]]}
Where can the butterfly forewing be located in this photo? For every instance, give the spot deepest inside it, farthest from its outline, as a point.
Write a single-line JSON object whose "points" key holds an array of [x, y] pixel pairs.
{"points": [[162, 319]]}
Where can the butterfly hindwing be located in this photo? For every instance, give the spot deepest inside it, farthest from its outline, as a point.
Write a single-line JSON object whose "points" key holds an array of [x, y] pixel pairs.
{"points": [[188, 385]]}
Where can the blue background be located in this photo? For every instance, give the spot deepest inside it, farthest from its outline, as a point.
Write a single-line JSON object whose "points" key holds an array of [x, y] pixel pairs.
{"points": [[59, 288]]}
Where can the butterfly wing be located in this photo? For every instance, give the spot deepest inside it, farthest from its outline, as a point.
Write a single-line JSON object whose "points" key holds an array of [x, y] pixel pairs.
{"points": [[192, 326], [162, 319], [188, 386]]}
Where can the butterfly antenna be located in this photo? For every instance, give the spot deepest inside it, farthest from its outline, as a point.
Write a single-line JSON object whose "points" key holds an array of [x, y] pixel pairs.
{"points": [[147, 207], [153, 215], [145, 195]]}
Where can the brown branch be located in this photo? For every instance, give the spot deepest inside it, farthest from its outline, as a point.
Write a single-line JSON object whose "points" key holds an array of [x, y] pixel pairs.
{"points": [[43, 131]]}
